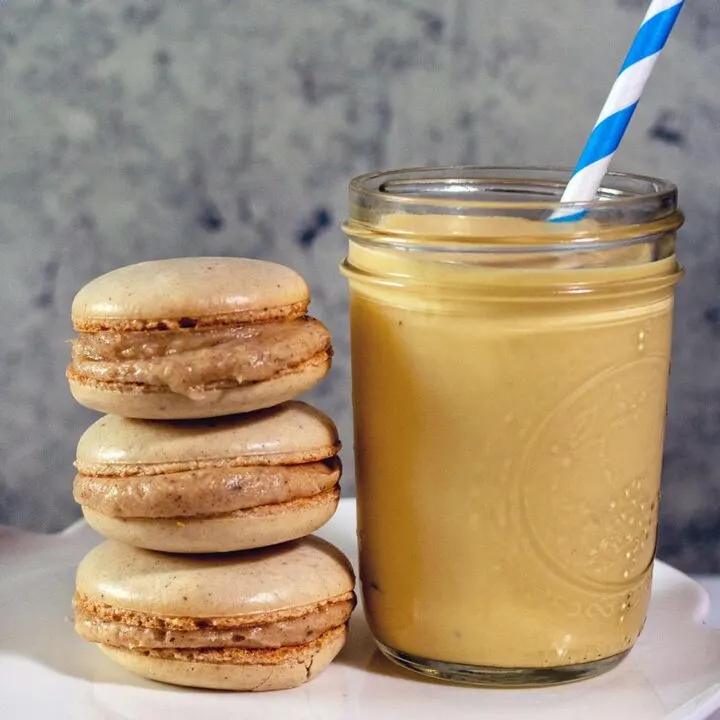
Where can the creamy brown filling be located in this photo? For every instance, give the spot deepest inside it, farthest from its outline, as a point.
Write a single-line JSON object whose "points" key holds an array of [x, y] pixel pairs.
{"points": [[248, 656], [123, 628], [188, 360], [90, 607], [292, 631], [206, 491]]}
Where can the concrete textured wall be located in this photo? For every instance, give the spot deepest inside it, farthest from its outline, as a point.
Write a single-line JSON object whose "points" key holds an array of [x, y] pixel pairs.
{"points": [[139, 130]]}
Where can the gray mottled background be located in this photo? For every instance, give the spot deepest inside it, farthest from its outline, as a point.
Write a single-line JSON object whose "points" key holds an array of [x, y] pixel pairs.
{"points": [[138, 130]]}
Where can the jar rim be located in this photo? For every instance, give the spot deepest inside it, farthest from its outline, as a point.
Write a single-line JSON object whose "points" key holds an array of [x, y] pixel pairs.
{"points": [[402, 188]]}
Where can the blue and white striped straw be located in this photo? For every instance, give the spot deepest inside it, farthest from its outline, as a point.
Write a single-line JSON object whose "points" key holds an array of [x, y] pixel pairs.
{"points": [[620, 106]]}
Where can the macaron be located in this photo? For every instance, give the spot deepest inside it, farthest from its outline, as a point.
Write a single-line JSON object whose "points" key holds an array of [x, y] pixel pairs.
{"points": [[195, 337], [210, 485], [260, 620]]}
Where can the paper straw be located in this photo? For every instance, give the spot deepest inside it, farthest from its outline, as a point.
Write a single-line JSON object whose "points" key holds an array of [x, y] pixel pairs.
{"points": [[620, 106]]}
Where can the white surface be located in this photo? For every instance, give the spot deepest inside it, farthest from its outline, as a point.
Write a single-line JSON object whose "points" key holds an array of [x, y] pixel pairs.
{"points": [[48, 672], [712, 587]]}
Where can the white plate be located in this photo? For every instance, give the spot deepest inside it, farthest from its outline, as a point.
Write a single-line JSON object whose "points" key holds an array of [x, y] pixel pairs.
{"points": [[47, 672]]}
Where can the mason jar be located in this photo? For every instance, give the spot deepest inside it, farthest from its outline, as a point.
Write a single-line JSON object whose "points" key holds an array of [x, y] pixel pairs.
{"points": [[509, 389]]}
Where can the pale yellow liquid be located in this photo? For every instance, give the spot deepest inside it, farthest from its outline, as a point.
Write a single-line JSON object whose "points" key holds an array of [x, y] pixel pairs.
{"points": [[508, 455]]}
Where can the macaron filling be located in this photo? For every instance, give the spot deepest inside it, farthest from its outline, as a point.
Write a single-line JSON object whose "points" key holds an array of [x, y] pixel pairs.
{"points": [[205, 491], [191, 360], [304, 654], [105, 624]]}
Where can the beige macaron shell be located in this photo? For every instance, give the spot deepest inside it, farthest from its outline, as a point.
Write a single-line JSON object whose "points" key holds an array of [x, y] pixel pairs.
{"points": [[296, 574], [186, 287], [138, 402], [242, 530], [225, 676], [291, 432]]}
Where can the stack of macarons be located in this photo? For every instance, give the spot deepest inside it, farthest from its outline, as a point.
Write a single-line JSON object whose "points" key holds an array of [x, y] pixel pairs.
{"points": [[207, 476]]}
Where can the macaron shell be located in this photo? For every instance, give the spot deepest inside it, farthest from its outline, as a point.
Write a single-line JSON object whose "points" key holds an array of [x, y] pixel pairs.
{"points": [[280, 675], [242, 530], [204, 290], [296, 574], [292, 432], [143, 403]]}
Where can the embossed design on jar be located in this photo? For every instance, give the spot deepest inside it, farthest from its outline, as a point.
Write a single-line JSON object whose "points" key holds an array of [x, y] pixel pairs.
{"points": [[589, 480]]}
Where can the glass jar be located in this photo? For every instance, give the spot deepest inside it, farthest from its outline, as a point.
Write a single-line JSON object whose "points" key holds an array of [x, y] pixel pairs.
{"points": [[509, 391]]}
